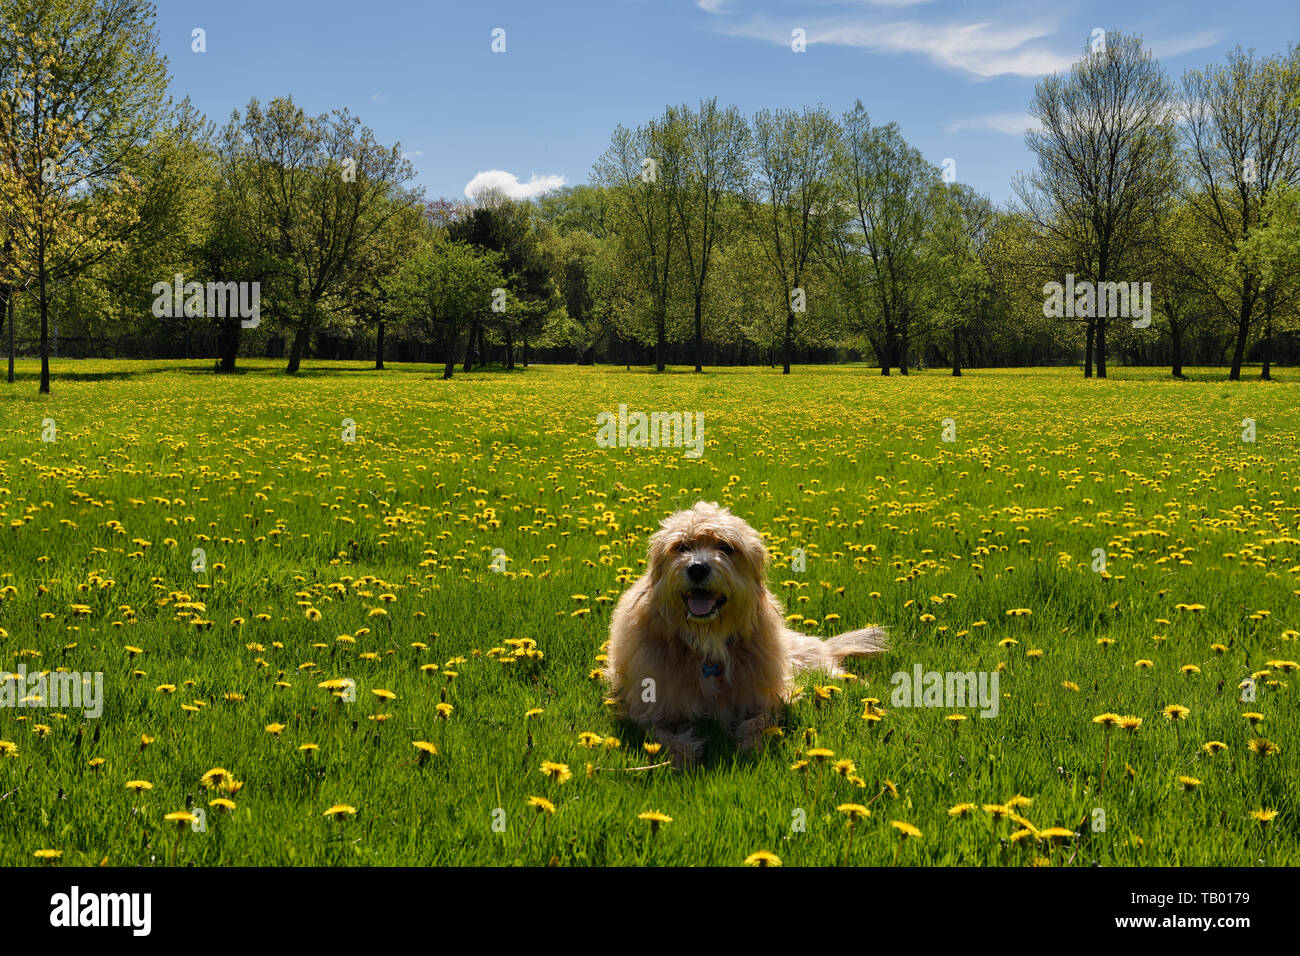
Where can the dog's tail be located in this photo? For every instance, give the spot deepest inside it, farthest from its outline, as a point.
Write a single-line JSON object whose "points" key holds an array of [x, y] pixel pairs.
{"points": [[861, 643], [807, 651]]}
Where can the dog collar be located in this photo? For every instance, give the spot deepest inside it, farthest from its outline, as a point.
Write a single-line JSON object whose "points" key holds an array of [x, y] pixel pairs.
{"points": [[711, 670]]}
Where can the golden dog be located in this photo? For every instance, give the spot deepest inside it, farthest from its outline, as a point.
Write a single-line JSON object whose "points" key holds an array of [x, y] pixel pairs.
{"points": [[699, 635]]}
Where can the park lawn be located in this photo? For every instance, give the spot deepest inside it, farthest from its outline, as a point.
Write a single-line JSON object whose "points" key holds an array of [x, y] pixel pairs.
{"points": [[374, 561]]}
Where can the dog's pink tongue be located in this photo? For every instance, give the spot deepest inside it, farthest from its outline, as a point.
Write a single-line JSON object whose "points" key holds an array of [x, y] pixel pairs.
{"points": [[700, 602]]}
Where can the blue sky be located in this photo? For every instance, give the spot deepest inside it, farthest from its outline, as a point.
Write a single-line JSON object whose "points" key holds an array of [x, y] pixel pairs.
{"points": [[956, 76]]}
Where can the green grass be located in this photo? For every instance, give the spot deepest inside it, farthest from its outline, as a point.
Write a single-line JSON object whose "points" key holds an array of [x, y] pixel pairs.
{"points": [[849, 466]]}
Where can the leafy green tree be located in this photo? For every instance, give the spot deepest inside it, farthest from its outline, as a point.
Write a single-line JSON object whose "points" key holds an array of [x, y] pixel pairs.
{"points": [[81, 93], [442, 289], [1242, 143], [318, 191]]}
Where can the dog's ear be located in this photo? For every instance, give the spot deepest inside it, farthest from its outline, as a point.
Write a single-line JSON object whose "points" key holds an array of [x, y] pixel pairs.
{"points": [[659, 544], [754, 548]]}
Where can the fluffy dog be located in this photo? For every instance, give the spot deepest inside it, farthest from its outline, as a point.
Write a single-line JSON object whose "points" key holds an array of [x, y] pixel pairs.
{"points": [[699, 635]]}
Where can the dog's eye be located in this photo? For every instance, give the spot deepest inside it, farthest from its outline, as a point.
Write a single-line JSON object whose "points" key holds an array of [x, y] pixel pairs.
{"points": [[726, 548], [682, 547]]}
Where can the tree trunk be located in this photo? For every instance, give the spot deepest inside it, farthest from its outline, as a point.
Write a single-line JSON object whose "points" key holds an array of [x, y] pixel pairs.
{"points": [[902, 353], [1243, 333], [10, 307], [299, 346], [699, 332], [1087, 349], [1101, 348], [379, 345], [510, 351], [660, 340], [788, 345], [45, 335], [227, 345], [1176, 333], [1267, 344], [956, 352]]}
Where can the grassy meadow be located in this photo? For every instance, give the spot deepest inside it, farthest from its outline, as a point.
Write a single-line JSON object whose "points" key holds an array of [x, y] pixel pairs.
{"points": [[452, 570]]}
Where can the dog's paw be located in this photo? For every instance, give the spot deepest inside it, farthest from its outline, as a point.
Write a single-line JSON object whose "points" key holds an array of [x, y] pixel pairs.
{"points": [[749, 734], [684, 751]]}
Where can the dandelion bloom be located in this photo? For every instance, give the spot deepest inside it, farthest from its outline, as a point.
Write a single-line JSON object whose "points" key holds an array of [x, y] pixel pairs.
{"points": [[1263, 815], [1264, 748], [854, 811], [961, 809], [905, 828], [1213, 746], [1130, 723], [48, 854], [1143, 663], [542, 804], [654, 818], [762, 858], [138, 785], [222, 803], [339, 810], [1056, 833], [215, 777], [1108, 721], [1189, 783], [1176, 712], [1253, 717], [558, 772], [181, 817]]}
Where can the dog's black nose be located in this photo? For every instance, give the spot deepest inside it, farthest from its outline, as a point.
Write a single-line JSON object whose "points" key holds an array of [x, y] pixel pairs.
{"points": [[698, 571]]}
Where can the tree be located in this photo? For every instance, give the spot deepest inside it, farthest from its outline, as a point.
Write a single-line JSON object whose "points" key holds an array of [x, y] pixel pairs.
{"points": [[789, 198], [81, 92], [1105, 162], [1242, 141], [886, 197], [956, 248], [319, 190], [715, 149], [642, 171], [442, 289]]}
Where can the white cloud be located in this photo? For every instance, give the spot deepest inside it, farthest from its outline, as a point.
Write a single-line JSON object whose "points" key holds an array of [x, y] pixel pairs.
{"points": [[1185, 43], [983, 49], [1010, 123], [509, 184], [711, 6], [378, 98], [413, 153]]}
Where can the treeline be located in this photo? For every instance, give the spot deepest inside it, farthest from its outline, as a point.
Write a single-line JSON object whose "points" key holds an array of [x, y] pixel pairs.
{"points": [[133, 226]]}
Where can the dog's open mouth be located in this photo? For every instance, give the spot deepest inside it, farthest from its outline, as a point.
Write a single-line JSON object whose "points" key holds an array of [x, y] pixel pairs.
{"points": [[702, 603]]}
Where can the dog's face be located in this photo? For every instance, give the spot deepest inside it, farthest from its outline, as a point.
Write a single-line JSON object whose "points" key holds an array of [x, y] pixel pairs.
{"points": [[706, 569]]}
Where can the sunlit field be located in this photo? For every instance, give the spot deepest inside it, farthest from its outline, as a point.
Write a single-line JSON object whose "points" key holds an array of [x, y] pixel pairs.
{"points": [[389, 637]]}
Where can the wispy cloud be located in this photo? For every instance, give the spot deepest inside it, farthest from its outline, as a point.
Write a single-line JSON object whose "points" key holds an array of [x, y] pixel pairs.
{"points": [[1185, 43], [510, 185], [1012, 124], [983, 49], [411, 154]]}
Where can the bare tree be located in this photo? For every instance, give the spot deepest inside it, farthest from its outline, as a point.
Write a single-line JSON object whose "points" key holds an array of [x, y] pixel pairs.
{"points": [[1105, 163], [789, 199]]}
